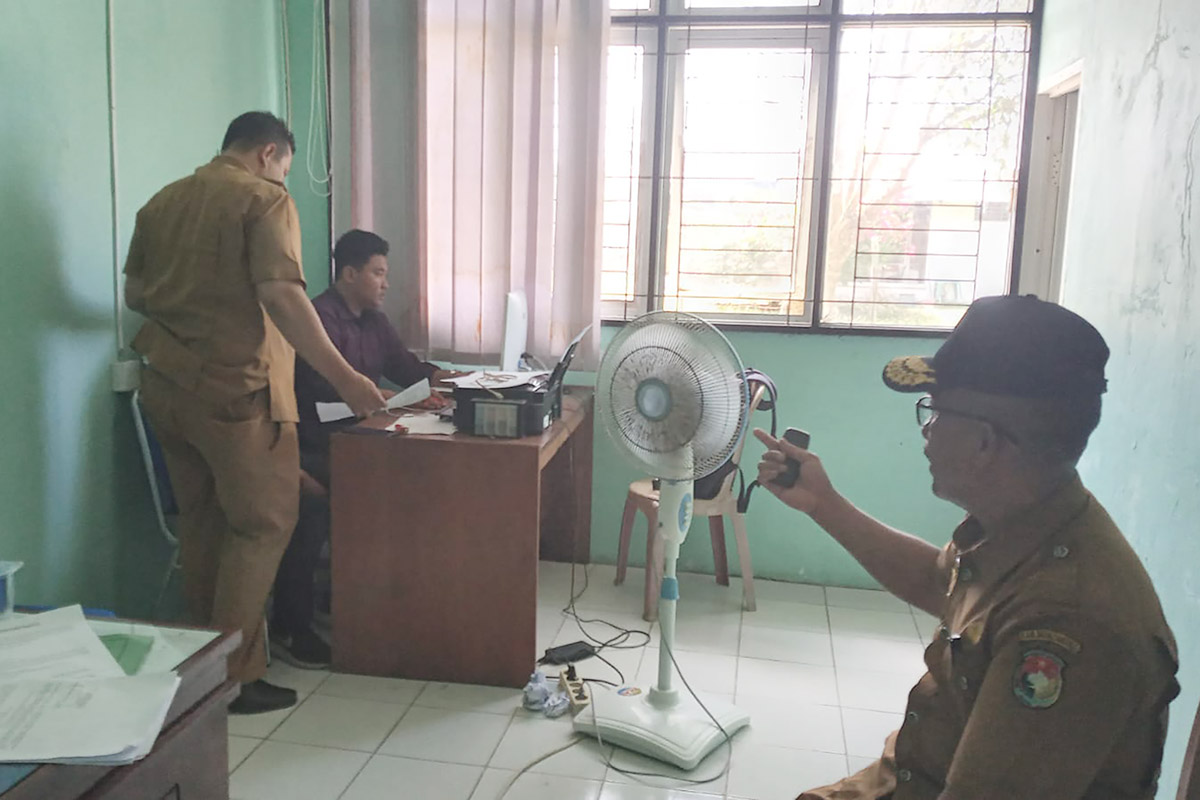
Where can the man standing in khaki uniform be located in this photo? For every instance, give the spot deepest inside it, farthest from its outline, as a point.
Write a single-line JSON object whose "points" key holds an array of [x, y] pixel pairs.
{"points": [[1052, 668], [214, 266]]}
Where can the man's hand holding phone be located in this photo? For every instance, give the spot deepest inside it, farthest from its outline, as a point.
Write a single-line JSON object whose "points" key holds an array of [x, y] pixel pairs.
{"points": [[790, 472]]}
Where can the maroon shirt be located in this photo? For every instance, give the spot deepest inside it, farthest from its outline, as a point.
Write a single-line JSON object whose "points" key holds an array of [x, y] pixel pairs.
{"points": [[369, 343]]}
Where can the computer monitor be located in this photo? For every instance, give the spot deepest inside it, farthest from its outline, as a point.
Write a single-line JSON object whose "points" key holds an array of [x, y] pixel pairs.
{"points": [[516, 327]]}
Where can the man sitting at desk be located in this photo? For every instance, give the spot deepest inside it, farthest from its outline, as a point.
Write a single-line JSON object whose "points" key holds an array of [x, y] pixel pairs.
{"points": [[351, 312]]}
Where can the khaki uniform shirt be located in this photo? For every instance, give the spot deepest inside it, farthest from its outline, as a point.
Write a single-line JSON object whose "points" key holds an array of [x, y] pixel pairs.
{"points": [[200, 247], [1049, 676]]}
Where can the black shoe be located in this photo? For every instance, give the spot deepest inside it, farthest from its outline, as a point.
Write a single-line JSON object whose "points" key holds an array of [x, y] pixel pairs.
{"points": [[260, 697], [305, 650]]}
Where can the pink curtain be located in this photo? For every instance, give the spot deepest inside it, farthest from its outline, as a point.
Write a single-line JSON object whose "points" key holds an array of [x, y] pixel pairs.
{"points": [[509, 175]]}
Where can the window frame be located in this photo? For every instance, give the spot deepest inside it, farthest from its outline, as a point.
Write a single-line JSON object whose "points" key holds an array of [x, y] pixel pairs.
{"points": [[655, 24]]}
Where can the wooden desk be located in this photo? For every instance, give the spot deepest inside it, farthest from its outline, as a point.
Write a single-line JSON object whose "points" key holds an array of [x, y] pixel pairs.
{"points": [[190, 760], [436, 540]]}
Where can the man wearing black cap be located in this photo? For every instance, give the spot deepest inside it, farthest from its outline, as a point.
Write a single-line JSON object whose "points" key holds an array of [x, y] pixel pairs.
{"points": [[1052, 668]]}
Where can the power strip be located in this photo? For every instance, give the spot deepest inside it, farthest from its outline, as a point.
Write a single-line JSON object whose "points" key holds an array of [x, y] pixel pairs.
{"points": [[577, 691]]}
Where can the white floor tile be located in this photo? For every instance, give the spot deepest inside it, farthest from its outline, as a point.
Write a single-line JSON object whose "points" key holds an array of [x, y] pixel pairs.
{"points": [[802, 683], [398, 691], [874, 691], [534, 786], [880, 655], [778, 773], [470, 697], [866, 731], [787, 592], [340, 722], [436, 734], [258, 726], [387, 776], [867, 599], [801, 726], [629, 791], [779, 644], [298, 772], [859, 763], [239, 748], [711, 772], [304, 681], [704, 632], [705, 672], [531, 736], [897, 625], [788, 615]]}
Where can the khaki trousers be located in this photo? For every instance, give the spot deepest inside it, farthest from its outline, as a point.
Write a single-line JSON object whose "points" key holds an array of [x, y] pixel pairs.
{"points": [[236, 478]]}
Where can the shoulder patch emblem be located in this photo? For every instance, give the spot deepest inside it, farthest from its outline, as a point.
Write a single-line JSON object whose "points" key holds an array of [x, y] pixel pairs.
{"points": [[1054, 637], [1038, 679]]}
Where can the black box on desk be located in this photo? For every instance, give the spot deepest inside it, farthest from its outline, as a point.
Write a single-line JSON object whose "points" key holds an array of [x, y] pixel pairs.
{"points": [[508, 413]]}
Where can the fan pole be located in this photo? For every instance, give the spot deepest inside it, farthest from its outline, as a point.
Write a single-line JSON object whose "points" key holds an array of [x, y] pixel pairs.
{"points": [[674, 518]]}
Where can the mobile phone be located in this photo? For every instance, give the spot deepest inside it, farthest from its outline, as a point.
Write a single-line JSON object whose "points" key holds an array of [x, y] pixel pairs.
{"points": [[791, 474]]}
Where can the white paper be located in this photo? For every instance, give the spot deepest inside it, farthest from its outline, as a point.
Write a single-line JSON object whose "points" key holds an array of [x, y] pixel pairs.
{"points": [[53, 645], [102, 721], [332, 412], [492, 379], [425, 425]]}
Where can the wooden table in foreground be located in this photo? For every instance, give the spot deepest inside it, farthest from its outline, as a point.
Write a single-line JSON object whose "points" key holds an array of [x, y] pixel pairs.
{"points": [[436, 541], [190, 759]]}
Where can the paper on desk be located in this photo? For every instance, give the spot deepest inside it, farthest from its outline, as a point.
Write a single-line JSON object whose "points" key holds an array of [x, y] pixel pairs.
{"points": [[425, 425], [100, 721], [332, 412], [53, 645], [172, 646], [493, 379]]}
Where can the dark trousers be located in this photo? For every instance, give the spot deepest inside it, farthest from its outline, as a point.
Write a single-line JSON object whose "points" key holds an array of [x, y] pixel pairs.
{"points": [[295, 595]]}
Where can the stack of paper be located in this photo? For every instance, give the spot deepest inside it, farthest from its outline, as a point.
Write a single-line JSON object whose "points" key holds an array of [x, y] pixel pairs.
{"points": [[64, 698], [492, 379]]}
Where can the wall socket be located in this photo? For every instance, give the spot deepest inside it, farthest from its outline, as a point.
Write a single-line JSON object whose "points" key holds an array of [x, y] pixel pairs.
{"points": [[126, 375]]}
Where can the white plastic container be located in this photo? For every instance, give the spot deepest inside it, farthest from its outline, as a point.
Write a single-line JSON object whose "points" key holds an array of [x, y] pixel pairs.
{"points": [[7, 570]]}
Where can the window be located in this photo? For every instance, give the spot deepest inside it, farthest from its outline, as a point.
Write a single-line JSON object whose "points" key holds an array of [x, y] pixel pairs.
{"points": [[837, 164]]}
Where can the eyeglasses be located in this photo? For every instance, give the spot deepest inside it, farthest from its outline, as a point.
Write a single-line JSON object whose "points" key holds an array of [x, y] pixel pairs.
{"points": [[927, 414]]}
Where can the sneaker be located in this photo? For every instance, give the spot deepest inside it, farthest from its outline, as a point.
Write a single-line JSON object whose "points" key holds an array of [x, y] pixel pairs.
{"points": [[305, 650], [259, 697]]}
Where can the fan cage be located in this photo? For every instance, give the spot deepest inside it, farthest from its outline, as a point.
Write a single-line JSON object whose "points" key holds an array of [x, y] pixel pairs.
{"points": [[706, 382]]}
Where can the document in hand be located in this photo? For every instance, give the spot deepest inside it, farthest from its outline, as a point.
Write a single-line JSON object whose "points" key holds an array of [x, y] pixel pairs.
{"points": [[332, 412]]}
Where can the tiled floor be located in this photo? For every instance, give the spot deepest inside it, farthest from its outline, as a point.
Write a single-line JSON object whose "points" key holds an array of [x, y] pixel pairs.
{"points": [[824, 673]]}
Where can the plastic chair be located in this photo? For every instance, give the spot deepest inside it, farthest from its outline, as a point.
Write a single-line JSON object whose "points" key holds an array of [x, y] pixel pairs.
{"points": [[644, 497], [160, 490]]}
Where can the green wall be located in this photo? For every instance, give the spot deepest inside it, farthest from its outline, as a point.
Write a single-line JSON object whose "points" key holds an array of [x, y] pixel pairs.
{"points": [[865, 434], [73, 500], [1131, 267]]}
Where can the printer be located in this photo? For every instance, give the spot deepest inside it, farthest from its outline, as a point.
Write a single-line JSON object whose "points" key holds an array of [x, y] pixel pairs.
{"points": [[514, 411]]}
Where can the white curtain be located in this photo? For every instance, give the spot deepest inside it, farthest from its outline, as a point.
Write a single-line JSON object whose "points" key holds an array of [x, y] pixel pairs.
{"points": [[498, 208], [444, 142]]}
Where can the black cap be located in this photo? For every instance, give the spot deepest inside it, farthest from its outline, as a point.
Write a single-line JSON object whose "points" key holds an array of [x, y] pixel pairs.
{"points": [[1013, 346]]}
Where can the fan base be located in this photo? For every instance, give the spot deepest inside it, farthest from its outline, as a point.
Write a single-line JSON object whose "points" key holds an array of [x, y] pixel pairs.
{"points": [[681, 734]]}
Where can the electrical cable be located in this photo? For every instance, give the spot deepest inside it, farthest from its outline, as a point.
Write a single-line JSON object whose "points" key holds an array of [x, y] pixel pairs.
{"points": [[576, 740], [704, 708], [317, 158]]}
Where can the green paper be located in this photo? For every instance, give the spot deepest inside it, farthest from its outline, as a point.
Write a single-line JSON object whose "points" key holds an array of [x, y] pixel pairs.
{"points": [[128, 649]]}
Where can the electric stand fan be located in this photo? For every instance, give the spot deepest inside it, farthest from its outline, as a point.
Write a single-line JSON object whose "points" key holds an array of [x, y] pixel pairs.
{"points": [[672, 394]]}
